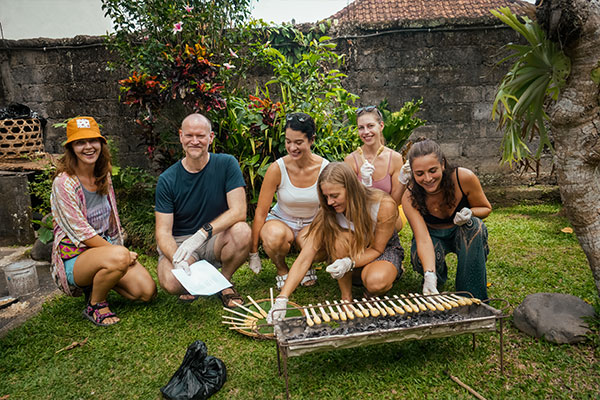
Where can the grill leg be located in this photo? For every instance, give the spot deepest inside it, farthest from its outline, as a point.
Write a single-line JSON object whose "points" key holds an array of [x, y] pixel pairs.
{"points": [[473, 342], [278, 359], [501, 346], [285, 373]]}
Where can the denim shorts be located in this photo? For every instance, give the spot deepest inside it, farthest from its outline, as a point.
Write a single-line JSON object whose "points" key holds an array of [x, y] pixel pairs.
{"points": [[69, 264]]}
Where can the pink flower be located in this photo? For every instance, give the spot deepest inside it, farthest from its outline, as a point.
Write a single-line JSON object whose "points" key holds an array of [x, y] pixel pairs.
{"points": [[178, 27], [188, 8], [233, 54], [228, 66]]}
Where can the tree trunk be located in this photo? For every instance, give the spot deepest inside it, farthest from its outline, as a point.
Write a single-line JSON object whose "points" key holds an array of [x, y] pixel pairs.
{"points": [[575, 119]]}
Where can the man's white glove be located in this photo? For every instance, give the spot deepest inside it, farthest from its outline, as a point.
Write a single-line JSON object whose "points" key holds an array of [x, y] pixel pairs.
{"points": [[340, 267], [277, 312], [366, 173], [254, 262], [187, 248], [430, 283], [184, 266], [463, 216], [405, 173]]}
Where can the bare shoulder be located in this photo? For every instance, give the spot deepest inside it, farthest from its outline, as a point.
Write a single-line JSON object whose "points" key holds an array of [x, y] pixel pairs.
{"points": [[468, 180], [397, 160], [350, 160]]}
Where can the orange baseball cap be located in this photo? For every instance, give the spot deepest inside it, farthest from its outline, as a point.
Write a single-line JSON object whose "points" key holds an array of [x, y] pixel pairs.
{"points": [[83, 128]]}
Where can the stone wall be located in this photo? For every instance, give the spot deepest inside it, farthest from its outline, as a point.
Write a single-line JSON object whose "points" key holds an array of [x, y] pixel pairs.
{"points": [[451, 66]]}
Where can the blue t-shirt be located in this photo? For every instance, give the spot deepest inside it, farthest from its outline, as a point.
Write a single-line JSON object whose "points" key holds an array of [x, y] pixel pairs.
{"points": [[197, 198]]}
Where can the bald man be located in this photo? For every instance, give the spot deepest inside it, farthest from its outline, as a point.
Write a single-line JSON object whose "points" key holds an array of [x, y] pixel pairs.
{"points": [[201, 211]]}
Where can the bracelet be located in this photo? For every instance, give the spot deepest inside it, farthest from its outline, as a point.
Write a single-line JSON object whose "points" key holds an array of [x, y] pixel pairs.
{"points": [[281, 297], [353, 264]]}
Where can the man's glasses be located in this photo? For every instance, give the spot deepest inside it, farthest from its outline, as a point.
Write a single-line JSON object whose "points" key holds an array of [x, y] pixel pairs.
{"points": [[368, 109], [298, 117]]}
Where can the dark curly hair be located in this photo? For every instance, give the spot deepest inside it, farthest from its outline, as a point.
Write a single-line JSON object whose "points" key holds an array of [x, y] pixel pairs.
{"points": [[424, 147], [301, 122]]}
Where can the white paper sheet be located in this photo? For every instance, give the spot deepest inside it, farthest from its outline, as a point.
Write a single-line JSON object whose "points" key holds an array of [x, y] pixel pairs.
{"points": [[204, 280]]}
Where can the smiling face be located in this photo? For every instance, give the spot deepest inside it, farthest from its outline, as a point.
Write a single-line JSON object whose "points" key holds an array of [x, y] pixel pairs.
{"points": [[335, 195], [427, 171], [369, 128], [296, 143], [195, 136], [87, 151]]}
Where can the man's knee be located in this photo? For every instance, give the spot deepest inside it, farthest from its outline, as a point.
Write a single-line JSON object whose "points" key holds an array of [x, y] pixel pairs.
{"points": [[240, 234]]}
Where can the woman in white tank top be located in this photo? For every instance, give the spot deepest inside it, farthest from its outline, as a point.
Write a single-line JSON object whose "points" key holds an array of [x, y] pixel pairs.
{"points": [[294, 179]]}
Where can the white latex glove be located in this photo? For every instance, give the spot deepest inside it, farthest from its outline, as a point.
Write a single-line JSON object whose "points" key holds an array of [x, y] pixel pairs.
{"points": [[463, 216], [430, 283], [254, 262], [188, 246], [405, 174], [366, 173], [340, 267], [277, 312], [184, 266]]}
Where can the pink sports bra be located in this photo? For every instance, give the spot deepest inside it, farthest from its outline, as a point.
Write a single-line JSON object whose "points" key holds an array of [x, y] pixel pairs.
{"points": [[385, 183]]}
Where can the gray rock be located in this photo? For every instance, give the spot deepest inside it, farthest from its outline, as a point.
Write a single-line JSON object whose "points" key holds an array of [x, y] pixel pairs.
{"points": [[556, 317], [41, 251]]}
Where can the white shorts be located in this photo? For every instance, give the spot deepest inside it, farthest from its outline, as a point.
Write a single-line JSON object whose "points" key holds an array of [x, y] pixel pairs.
{"points": [[295, 224]]}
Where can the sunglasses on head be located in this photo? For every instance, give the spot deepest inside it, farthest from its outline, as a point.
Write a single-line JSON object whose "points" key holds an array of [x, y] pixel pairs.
{"points": [[368, 109], [298, 117]]}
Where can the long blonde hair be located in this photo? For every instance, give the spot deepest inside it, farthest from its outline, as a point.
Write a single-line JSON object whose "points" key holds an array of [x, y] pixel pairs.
{"points": [[325, 228]]}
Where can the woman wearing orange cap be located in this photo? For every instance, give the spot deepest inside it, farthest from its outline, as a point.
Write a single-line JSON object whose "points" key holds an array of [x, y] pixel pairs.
{"points": [[88, 253]]}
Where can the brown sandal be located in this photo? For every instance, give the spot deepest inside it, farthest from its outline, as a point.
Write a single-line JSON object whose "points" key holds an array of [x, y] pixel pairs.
{"points": [[232, 299]]}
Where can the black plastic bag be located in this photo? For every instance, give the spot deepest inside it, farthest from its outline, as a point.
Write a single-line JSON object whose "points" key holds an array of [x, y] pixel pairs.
{"points": [[198, 377], [17, 111]]}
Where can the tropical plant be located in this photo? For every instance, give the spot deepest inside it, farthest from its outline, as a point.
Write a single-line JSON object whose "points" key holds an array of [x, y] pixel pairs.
{"points": [[400, 124], [539, 71]]}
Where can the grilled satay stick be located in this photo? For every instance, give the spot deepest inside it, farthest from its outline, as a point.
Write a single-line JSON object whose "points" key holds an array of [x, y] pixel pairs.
{"points": [[271, 294], [397, 308], [360, 309], [387, 308], [240, 314], [381, 309], [460, 300], [442, 302], [259, 308], [334, 315], [450, 301], [351, 310], [406, 307], [372, 310], [413, 306], [309, 320], [418, 301], [238, 319], [314, 315], [423, 302], [436, 303], [323, 313], [342, 312], [238, 324], [256, 314]]}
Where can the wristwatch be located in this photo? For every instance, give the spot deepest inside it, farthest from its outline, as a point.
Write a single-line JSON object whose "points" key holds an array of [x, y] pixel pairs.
{"points": [[208, 228]]}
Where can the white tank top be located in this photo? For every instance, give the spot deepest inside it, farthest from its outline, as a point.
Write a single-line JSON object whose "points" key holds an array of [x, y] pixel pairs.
{"points": [[345, 224], [294, 202]]}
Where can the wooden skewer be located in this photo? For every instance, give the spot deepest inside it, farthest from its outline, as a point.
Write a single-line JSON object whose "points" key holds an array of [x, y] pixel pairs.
{"points": [[462, 301], [342, 312], [424, 301], [309, 320], [450, 301], [397, 308], [381, 309], [403, 304], [237, 324], [351, 310], [259, 308], [314, 315], [334, 315], [256, 314], [372, 310], [418, 301], [238, 319], [271, 294], [436, 303], [246, 328], [387, 308], [359, 308], [443, 302], [410, 303], [323, 313], [238, 313]]}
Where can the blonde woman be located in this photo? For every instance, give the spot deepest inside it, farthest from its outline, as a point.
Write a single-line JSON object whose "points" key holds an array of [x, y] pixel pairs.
{"points": [[355, 228]]}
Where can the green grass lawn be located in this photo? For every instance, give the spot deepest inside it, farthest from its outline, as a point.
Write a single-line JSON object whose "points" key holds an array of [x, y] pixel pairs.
{"points": [[132, 360]]}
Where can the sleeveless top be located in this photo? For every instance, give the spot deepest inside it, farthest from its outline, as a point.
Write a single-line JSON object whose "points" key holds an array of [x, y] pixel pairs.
{"points": [[295, 202], [385, 183], [464, 202], [345, 224]]}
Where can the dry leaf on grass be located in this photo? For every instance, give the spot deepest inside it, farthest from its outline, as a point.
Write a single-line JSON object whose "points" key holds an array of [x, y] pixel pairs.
{"points": [[567, 230], [72, 345]]}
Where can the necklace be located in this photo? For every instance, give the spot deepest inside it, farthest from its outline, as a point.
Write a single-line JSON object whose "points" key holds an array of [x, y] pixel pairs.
{"points": [[377, 153]]}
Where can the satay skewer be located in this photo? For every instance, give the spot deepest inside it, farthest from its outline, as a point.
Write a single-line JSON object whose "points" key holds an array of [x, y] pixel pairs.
{"points": [[406, 307], [314, 314], [238, 324], [351, 310], [239, 313], [323, 313], [243, 307], [418, 301], [334, 314], [397, 308], [423, 301], [341, 312], [238, 319], [387, 308], [271, 294], [259, 308], [436, 303], [372, 310], [359, 308], [442, 302], [378, 306], [463, 301], [309, 320], [410, 303], [450, 301]]}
